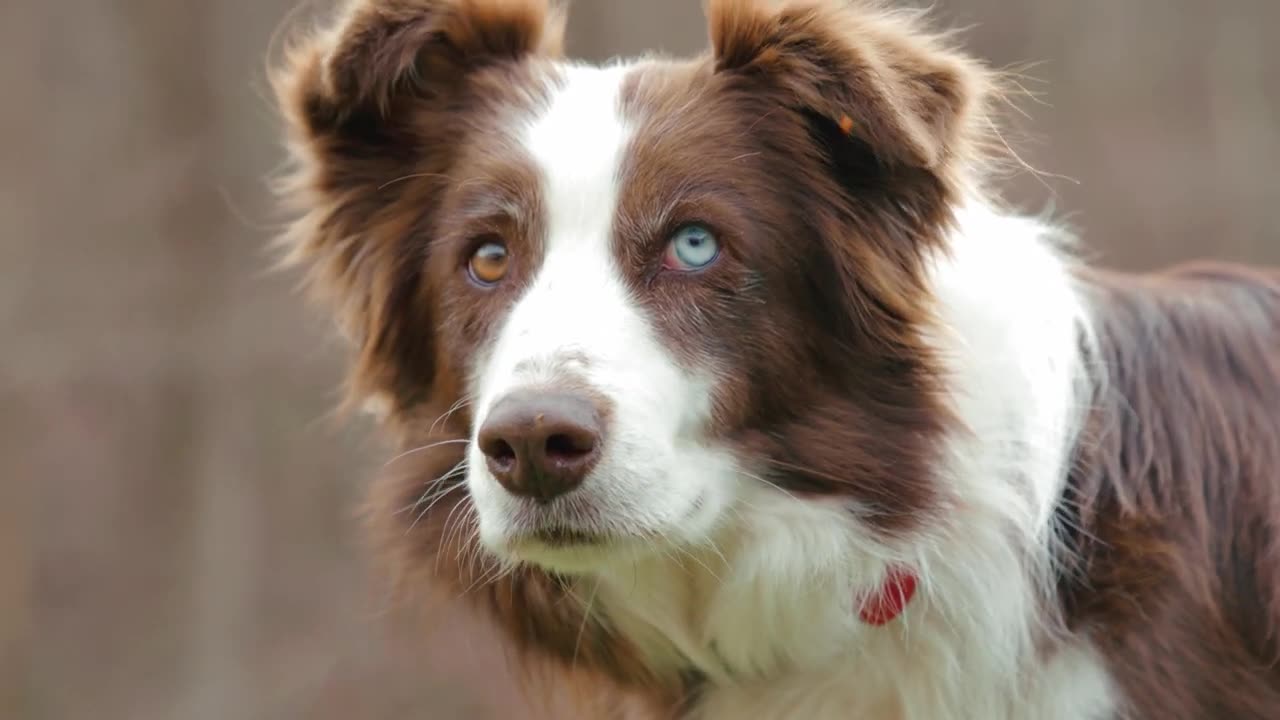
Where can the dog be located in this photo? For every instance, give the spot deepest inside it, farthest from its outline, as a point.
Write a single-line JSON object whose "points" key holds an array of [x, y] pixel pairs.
{"points": [[726, 387]]}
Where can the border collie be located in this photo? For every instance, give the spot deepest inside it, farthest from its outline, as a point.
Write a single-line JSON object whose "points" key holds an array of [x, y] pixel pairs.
{"points": [[726, 385]]}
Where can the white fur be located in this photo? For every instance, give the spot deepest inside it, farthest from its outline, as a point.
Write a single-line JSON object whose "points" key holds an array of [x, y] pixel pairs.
{"points": [[577, 318], [757, 588]]}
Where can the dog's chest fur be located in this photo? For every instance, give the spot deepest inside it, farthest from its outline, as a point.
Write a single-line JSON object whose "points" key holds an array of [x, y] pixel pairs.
{"points": [[771, 645]]}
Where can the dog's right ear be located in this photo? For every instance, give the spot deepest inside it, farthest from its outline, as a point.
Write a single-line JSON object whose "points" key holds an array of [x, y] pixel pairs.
{"points": [[380, 96]]}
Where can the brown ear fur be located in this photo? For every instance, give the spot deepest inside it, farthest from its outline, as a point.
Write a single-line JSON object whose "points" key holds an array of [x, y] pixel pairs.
{"points": [[368, 102], [876, 74], [386, 47]]}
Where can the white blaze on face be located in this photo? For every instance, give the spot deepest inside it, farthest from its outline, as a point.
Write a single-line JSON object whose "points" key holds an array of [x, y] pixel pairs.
{"points": [[578, 319]]}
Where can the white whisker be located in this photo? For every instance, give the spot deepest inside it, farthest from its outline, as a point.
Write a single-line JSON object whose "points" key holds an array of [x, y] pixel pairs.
{"points": [[406, 453]]}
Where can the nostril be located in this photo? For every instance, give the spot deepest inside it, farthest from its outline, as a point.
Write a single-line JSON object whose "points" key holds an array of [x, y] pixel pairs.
{"points": [[565, 446], [499, 452]]}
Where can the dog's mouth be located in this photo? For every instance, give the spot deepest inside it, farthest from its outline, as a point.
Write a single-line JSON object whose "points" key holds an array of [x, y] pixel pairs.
{"points": [[578, 536], [560, 537], [565, 549], [558, 526]]}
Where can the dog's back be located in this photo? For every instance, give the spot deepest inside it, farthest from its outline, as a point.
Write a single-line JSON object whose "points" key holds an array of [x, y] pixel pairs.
{"points": [[1172, 517]]}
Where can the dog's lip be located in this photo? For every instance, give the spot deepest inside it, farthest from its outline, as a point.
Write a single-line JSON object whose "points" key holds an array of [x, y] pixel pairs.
{"points": [[566, 537]]}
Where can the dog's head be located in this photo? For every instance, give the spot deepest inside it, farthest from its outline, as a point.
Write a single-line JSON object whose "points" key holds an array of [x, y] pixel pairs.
{"points": [[612, 304]]}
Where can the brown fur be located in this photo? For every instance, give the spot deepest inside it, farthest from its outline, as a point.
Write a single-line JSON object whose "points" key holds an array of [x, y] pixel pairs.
{"points": [[905, 93], [384, 100], [1173, 517]]}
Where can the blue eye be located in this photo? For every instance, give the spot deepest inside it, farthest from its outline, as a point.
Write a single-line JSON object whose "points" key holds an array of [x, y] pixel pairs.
{"points": [[692, 247]]}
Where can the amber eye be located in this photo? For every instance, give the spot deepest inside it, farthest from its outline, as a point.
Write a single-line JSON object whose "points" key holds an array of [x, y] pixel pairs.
{"points": [[489, 263]]}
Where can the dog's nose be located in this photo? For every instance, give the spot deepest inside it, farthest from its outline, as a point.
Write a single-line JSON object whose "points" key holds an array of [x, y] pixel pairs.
{"points": [[542, 444]]}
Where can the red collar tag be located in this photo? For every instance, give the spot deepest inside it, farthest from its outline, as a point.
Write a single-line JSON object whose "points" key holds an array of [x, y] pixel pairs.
{"points": [[891, 599]]}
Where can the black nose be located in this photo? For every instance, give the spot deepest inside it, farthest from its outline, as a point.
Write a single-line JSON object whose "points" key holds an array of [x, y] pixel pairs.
{"points": [[542, 444]]}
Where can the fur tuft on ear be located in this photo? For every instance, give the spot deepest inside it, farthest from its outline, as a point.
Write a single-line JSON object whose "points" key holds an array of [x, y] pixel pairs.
{"points": [[379, 97], [876, 74], [382, 48]]}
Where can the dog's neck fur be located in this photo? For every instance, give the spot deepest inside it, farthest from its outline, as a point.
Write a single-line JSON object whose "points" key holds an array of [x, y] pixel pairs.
{"points": [[768, 616]]}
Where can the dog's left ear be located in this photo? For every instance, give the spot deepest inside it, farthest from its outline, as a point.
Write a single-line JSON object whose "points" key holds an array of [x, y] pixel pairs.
{"points": [[872, 73]]}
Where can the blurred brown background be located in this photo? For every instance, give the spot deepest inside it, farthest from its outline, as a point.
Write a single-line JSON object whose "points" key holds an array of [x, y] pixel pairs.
{"points": [[176, 534]]}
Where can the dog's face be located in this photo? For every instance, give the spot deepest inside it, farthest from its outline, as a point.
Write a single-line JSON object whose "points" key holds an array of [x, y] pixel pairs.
{"points": [[632, 298], [597, 381]]}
